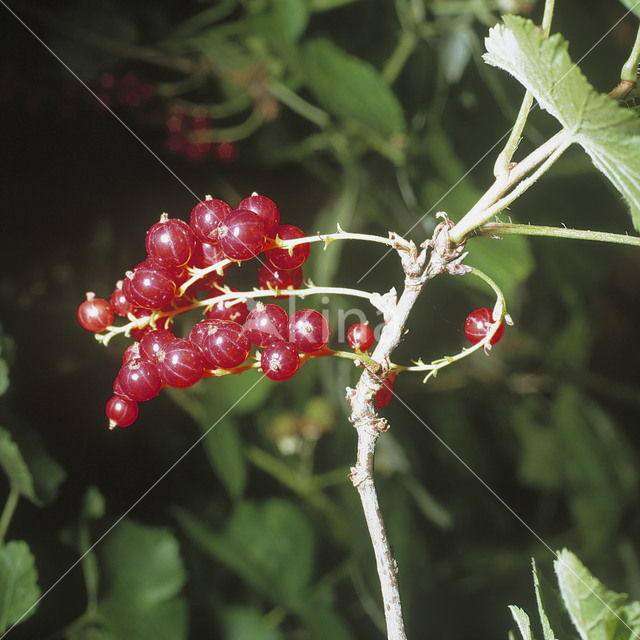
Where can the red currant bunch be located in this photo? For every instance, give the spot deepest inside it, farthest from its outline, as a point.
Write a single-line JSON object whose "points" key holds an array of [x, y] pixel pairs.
{"points": [[478, 324], [185, 269]]}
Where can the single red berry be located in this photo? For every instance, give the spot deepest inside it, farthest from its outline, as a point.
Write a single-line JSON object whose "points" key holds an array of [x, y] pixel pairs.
{"points": [[266, 323], [360, 336], [207, 254], [150, 288], [225, 344], [131, 352], [308, 330], [280, 360], [270, 277], [197, 336], [154, 342], [181, 363], [206, 217], [140, 379], [266, 209], [120, 304], [477, 325], [170, 242], [241, 235], [95, 314], [293, 257], [121, 411], [385, 393], [235, 310], [225, 151]]}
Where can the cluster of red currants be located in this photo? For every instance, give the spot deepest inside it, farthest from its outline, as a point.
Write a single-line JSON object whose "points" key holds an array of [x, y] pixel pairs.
{"points": [[182, 125], [152, 294]]}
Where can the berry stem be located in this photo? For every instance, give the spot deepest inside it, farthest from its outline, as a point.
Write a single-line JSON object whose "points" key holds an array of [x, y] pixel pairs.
{"points": [[153, 317], [499, 315]]}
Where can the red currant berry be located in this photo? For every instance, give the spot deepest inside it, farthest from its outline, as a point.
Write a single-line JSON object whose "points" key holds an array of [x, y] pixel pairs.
{"points": [[121, 411], [308, 330], [154, 342], [280, 360], [225, 344], [120, 304], [241, 235], [131, 352], [150, 288], [293, 257], [206, 254], [181, 363], [266, 323], [95, 314], [170, 242], [206, 217], [270, 277], [477, 325], [140, 380], [360, 336], [385, 393], [266, 209], [235, 310]]}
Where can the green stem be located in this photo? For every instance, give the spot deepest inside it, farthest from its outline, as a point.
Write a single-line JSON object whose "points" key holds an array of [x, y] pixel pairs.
{"points": [[504, 229], [404, 48], [89, 569], [303, 108], [494, 198], [499, 315], [501, 166], [7, 512], [629, 71], [230, 134]]}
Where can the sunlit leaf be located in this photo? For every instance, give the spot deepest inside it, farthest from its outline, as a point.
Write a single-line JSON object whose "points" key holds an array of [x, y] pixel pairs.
{"points": [[523, 622], [609, 133], [632, 5], [590, 605]]}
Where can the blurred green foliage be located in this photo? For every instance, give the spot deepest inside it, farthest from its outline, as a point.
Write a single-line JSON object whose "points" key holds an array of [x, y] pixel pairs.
{"points": [[240, 520]]}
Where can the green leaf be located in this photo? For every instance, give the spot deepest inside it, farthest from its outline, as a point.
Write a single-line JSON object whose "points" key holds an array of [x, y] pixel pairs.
{"points": [[223, 447], [632, 5], [599, 467], [19, 591], [15, 467], [590, 605], [166, 620], [283, 19], [145, 574], [143, 564], [351, 89], [523, 622], [93, 505], [269, 545], [609, 133], [247, 623], [547, 631]]}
